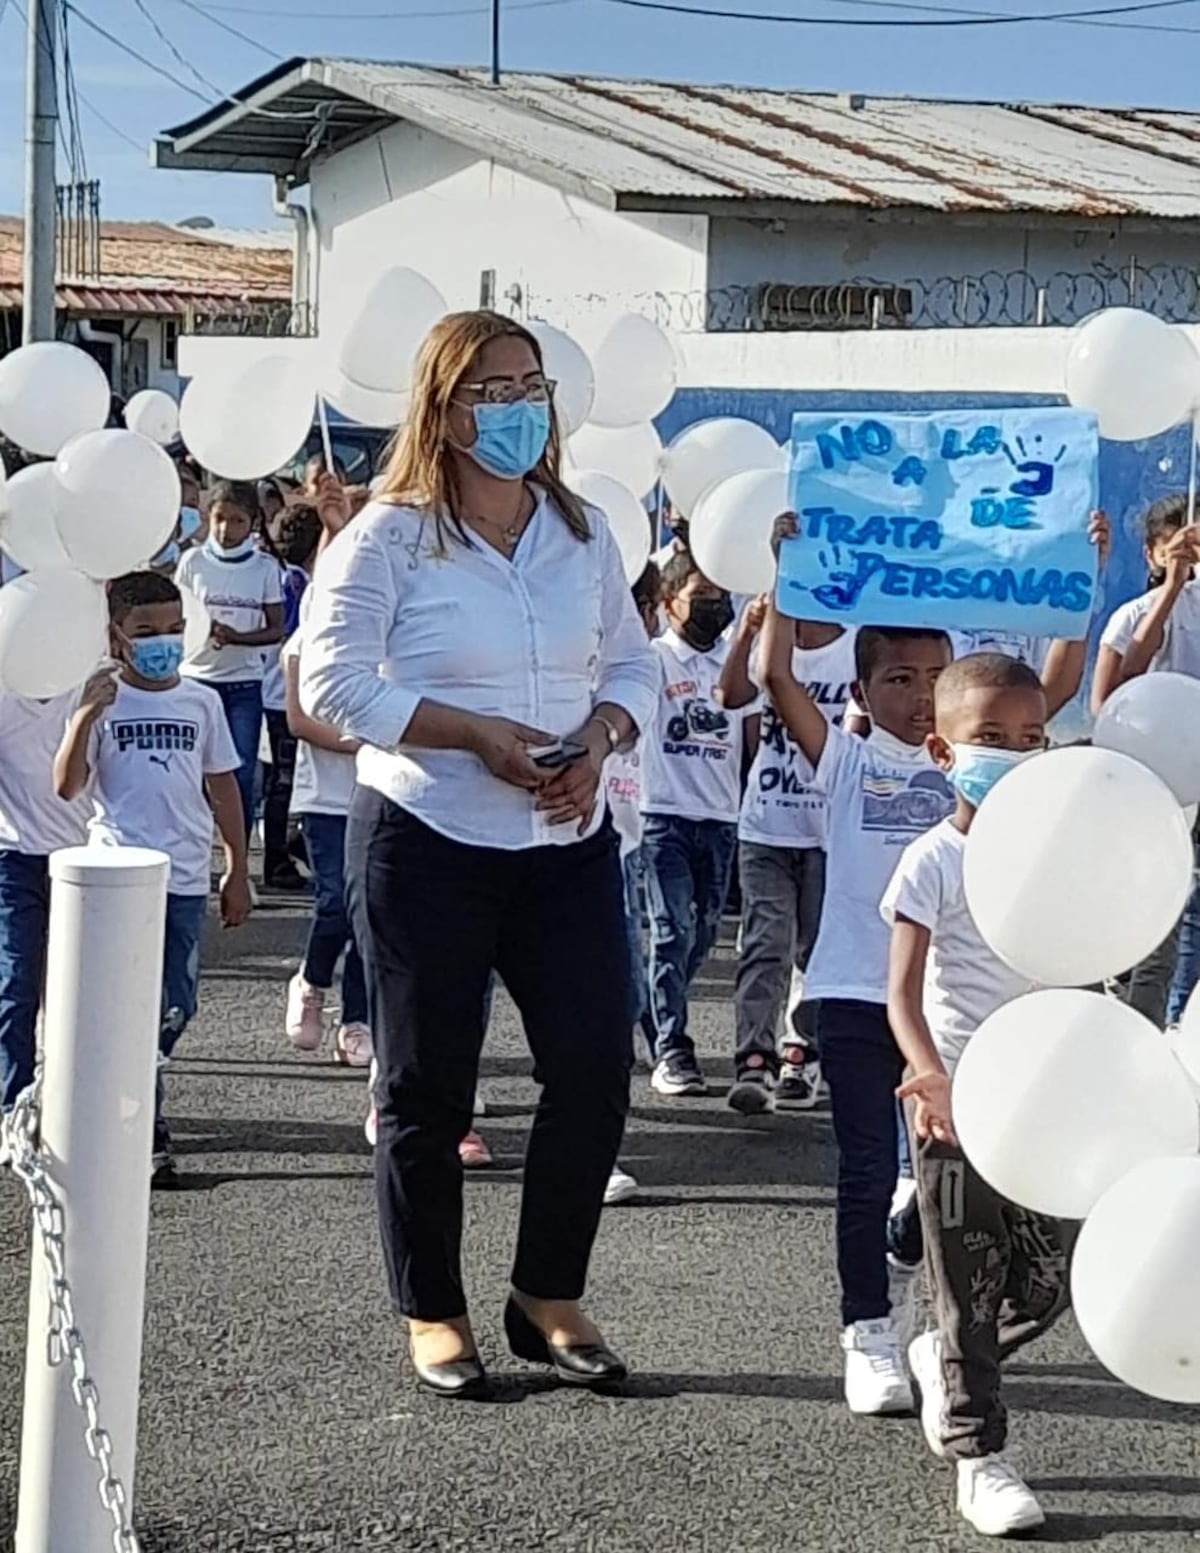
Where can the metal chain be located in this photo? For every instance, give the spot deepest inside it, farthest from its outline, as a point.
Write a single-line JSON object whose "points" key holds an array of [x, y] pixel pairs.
{"points": [[64, 1339]]}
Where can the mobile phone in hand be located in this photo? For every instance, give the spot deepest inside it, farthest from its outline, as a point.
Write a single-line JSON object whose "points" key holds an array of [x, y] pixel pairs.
{"points": [[553, 757]]}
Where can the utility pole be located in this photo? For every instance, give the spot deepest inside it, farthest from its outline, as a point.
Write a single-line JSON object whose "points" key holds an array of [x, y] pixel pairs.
{"points": [[41, 122], [495, 42]]}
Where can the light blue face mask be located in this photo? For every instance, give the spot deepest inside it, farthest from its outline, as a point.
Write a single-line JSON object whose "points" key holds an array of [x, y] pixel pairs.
{"points": [[238, 553], [977, 768], [189, 522], [155, 657], [510, 438]]}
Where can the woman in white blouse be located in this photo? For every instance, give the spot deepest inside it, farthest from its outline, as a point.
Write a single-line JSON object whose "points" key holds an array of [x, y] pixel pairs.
{"points": [[473, 615]]}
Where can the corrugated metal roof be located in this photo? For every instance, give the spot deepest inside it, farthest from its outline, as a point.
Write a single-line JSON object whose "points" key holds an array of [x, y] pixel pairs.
{"points": [[647, 144]]}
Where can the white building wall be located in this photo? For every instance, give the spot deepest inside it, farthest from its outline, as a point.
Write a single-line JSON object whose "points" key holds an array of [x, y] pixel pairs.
{"points": [[414, 198]]}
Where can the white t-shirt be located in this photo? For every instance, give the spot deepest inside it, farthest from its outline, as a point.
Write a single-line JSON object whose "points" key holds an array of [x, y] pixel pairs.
{"points": [[149, 755], [1026, 649], [882, 794], [692, 752], [323, 782], [33, 818], [235, 593], [781, 807], [623, 789], [1180, 651], [964, 980]]}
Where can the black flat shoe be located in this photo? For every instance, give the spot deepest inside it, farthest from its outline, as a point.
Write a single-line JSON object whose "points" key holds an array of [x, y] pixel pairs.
{"points": [[459, 1380], [584, 1364]]}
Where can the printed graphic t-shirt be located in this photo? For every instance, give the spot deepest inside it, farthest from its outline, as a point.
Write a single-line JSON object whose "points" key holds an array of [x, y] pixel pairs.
{"points": [[33, 818], [782, 807], [882, 794], [623, 790], [1026, 649], [692, 756], [149, 755], [964, 980], [235, 594]]}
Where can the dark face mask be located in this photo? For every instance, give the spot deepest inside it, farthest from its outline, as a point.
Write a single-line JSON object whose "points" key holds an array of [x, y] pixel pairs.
{"points": [[707, 620]]}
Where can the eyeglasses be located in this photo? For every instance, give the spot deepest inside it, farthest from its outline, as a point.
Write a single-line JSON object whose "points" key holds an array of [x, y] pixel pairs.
{"points": [[503, 390]]}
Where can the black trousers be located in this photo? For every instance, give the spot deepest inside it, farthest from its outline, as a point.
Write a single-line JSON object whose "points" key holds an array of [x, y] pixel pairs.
{"points": [[433, 918]]}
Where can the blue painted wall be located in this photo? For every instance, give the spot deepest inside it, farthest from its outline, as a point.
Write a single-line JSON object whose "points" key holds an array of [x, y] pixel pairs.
{"points": [[1132, 474]]}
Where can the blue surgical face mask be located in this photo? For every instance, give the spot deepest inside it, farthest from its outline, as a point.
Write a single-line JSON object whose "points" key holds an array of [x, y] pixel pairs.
{"points": [[978, 767], [510, 438], [189, 522], [238, 553], [155, 657]]}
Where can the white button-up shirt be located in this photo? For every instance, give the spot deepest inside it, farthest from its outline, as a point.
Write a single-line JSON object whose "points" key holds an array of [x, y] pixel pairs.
{"points": [[397, 618]]}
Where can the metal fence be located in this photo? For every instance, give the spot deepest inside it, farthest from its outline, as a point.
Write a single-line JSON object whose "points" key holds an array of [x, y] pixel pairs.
{"points": [[270, 319], [994, 298]]}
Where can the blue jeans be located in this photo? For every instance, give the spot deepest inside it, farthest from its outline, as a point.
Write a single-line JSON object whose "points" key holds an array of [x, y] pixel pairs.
{"points": [[863, 1067], [329, 932], [180, 989], [635, 931], [687, 865], [242, 700], [1187, 965], [24, 917]]}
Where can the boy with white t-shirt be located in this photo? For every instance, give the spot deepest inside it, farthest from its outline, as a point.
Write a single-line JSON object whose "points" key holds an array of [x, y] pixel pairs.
{"points": [[154, 752], [691, 793], [781, 862], [998, 1273], [34, 822]]}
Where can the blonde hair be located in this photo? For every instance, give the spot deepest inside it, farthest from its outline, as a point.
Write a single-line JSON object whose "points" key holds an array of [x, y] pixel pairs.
{"points": [[419, 470]]}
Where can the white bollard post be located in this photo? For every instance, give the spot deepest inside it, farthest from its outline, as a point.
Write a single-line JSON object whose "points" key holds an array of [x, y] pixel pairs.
{"points": [[103, 1002]]}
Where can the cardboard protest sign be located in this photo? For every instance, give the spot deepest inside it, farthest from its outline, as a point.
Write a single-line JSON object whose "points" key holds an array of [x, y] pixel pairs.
{"points": [[963, 518]]}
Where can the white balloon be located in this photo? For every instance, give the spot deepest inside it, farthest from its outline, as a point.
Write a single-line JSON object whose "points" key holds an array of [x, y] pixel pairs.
{"points": [[29, 505], [120, 501], [566, 361], [627, 518], [365, 406], [730, 529], [1077, 866], [1060, 1092], [635, 369], [197, 622], [248, 422], [630, 454], [53, 632], [153, 414], [711, 451], [379, 348], [1156, 719], [49, 393], [1135, 1279], [1138, 375]]}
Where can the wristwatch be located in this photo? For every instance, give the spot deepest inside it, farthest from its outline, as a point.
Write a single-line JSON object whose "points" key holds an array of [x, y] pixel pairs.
{"points": [[611, 731]]}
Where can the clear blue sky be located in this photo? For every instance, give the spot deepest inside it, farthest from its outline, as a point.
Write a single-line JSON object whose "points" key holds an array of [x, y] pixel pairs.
{"points": [[1116, 63]]}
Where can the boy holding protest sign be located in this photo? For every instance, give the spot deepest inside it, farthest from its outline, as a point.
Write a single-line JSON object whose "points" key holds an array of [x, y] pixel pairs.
{"points": [[998, 1273]]}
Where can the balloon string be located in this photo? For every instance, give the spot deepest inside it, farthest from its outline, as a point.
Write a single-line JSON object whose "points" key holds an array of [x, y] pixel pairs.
{"points": [[323, 417]]}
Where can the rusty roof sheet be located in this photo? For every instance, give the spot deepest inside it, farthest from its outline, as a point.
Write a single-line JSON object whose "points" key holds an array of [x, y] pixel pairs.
{"points": [[168, 268], [648, 144]]}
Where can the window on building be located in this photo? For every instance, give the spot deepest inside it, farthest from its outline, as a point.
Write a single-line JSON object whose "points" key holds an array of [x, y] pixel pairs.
{"points": [[169, 351]]}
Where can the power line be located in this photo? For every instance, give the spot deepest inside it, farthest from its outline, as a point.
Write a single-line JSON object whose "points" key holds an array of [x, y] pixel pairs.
{"points": [[989, 19], [243, 37], [391, 15], [176, 54], [114, 129], [126, 48], [1079, 18]]}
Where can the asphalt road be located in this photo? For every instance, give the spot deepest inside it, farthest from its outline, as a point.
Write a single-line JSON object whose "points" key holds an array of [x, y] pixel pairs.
{"points": [[278, 1415]]}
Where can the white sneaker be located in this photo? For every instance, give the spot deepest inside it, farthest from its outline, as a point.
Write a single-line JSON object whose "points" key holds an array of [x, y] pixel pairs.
{"points": [[304, 1020], [353, 1047], [994, 1499], [480, 1107], [621, 1187], [925, 1362], [904, 1282], [875, 1377], [906, 1190]]}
